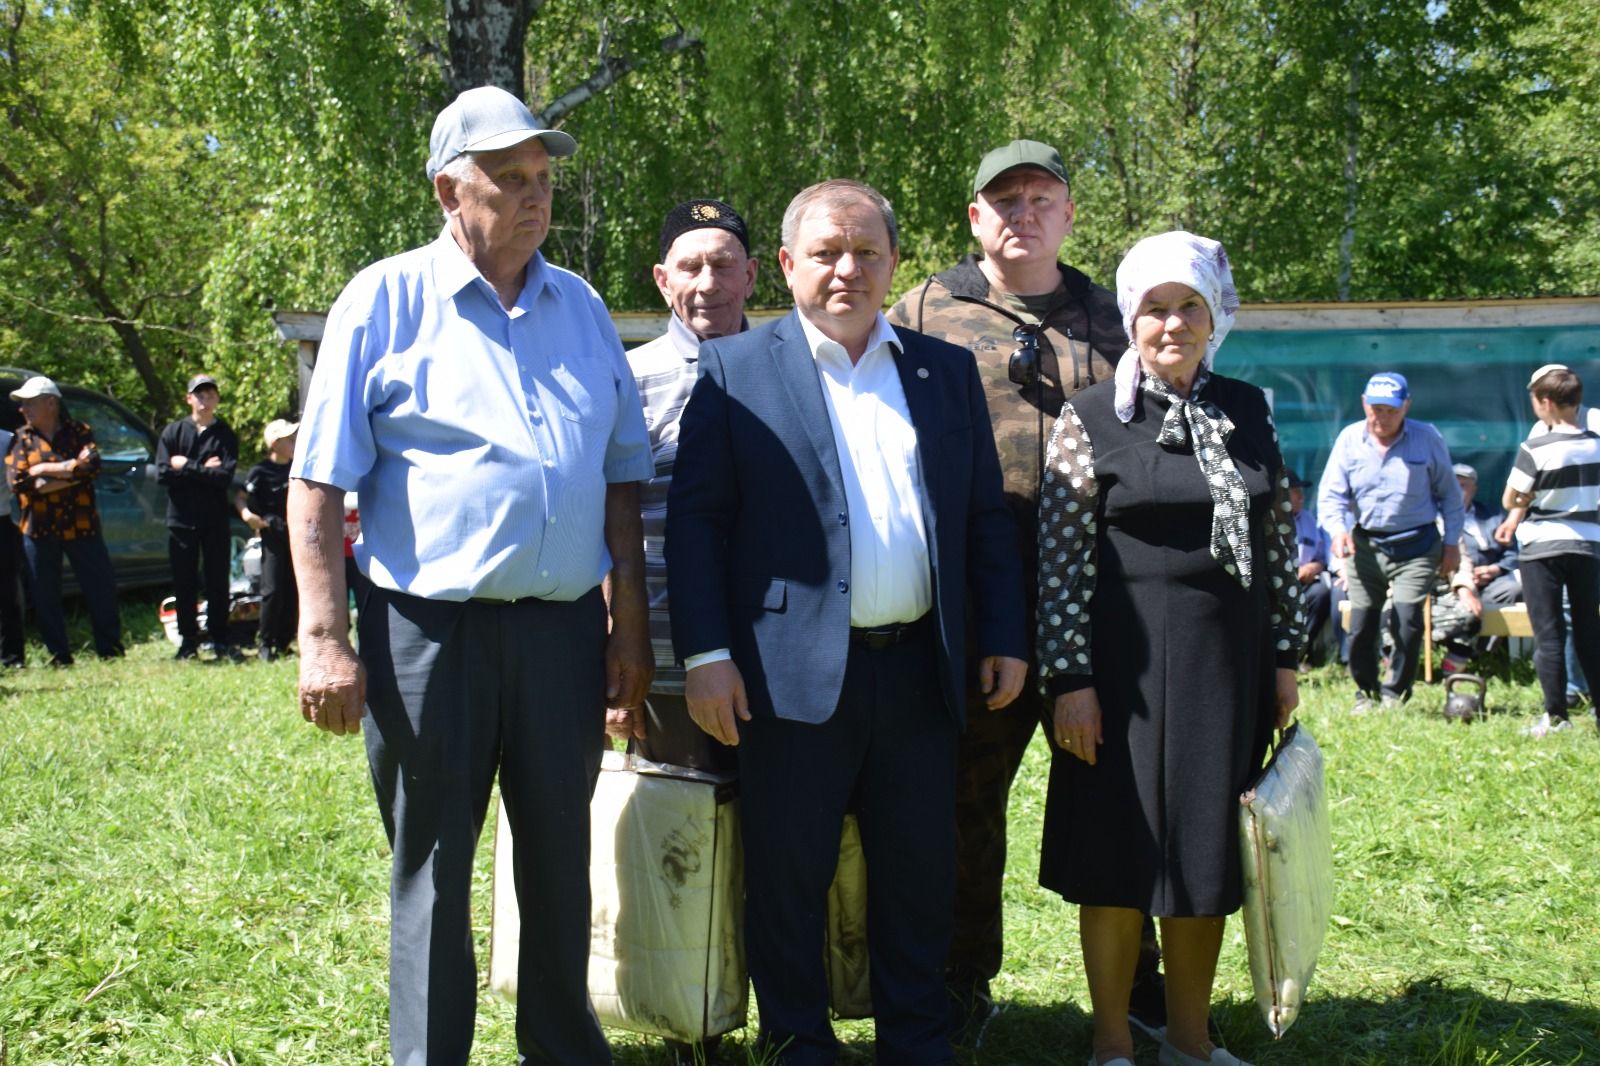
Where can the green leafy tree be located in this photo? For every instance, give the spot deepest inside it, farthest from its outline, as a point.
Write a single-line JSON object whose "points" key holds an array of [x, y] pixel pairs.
{"points": [[109, 201], [173, 173], [1562, 133]]}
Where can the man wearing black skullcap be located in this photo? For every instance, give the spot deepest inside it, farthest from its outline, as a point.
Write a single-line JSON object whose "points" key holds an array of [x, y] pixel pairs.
{"points": [[705, 275]]}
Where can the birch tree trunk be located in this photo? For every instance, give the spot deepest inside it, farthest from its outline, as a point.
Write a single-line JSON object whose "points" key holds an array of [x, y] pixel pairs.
{"points": [[485, 43]]}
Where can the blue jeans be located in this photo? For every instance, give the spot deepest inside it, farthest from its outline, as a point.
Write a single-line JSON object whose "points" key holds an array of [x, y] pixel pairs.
{"points": [[92, 564]]}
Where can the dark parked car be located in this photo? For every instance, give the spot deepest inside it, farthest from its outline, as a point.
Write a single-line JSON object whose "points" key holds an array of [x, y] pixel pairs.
{"points": [[133, 507]]}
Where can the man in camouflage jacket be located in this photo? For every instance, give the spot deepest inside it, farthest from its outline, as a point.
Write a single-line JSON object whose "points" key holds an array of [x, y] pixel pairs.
{"points": [[1040, 332]]}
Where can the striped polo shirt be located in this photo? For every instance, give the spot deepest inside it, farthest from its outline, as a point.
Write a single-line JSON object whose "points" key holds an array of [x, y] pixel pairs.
{"points": [[665, 371], [1562, 470]]}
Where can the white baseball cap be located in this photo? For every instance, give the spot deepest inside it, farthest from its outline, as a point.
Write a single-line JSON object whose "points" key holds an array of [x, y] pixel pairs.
{"points": [[38, 385]]}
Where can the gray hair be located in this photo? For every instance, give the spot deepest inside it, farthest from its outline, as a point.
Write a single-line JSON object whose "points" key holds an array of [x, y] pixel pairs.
{"points": [[460, 171], [831, 195]]}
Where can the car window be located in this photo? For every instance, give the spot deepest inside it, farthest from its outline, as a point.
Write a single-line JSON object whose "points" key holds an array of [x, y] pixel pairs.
{"points": [[10, 415], [119, 440]]}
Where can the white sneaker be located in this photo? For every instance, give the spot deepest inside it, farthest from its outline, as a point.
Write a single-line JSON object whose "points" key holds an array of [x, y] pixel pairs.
{"points": [[1547, 725], [1171, 1056]]}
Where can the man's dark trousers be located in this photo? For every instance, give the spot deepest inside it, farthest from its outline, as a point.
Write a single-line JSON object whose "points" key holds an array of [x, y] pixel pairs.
{"points": [[280, 600], [1407, 583], [1543, 581], [186, 547], [455, 692], [887, 753], [92, 565], [11, 564], [1317, 600], [990, 753]]}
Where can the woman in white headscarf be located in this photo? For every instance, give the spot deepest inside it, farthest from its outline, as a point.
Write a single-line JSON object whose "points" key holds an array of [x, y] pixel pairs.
{"points": [[1169, 629]]}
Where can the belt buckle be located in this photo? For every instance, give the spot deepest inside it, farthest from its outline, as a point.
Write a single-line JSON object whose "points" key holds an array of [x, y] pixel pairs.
{"points": [[879, 637]]}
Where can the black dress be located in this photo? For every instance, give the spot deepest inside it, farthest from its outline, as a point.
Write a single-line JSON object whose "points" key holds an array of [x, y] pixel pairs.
{"points": [[1181, 655]]}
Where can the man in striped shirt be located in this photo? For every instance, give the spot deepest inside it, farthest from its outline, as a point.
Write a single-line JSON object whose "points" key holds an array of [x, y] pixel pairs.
{"points": [[705, 275], [1557, 478]]}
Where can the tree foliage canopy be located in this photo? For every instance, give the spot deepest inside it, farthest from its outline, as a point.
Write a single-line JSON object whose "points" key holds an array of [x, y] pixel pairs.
{"points": [[172, 173]]}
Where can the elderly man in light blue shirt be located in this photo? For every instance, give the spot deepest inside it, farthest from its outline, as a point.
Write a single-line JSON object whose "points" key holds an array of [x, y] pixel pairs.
{"points": [[1387, 489], [477, 400]]}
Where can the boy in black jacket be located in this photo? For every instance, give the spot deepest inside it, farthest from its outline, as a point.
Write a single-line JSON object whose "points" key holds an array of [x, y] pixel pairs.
{"points": [[264, 507], [195, 460]]}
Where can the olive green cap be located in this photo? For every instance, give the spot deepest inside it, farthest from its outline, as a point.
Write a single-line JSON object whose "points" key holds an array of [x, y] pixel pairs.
{"points": [[1019, 154]]}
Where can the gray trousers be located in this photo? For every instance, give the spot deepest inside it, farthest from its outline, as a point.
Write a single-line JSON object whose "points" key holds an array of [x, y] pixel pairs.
{"points": [[455, 692], [1374, 576]]}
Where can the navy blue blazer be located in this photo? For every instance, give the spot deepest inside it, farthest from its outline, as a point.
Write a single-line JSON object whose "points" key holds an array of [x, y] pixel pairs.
{"points": [[758, 544]]}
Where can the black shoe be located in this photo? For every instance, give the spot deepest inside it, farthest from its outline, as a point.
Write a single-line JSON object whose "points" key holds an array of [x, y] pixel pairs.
{"points": [[972, 1008], [188, 650], [116, 651], [230, 653], [60, 662], [266, 653]]}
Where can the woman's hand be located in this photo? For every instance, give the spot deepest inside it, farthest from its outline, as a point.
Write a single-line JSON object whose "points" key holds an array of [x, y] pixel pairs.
{"points": [[1077, 723], [1288, 685]]}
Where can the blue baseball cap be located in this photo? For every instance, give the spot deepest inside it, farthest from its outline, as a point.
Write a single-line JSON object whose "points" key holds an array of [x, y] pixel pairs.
{"points": [[1387, 388]]}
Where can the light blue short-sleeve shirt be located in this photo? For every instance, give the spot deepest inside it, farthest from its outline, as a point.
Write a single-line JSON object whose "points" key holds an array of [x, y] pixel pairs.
{"points": [[479, 440]]}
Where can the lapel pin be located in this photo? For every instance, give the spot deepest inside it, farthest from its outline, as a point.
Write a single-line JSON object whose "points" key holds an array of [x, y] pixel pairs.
{"points": [[922, 371]]}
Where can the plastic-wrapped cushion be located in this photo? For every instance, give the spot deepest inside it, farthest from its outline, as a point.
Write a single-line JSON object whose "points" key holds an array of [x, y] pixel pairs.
{"points": [[666, 871], [849, 974], [1288, 876]]}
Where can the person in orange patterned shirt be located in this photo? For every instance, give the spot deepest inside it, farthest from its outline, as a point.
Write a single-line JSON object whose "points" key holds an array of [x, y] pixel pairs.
{"points": [[51, 466]]}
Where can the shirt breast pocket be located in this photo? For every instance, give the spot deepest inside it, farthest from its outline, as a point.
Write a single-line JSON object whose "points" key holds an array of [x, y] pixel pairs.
{"points": [[1418, 484], [588, 408]]}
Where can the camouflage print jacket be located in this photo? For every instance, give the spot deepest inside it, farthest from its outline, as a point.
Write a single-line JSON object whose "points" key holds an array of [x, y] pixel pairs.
{"points": [[1083, 332]]}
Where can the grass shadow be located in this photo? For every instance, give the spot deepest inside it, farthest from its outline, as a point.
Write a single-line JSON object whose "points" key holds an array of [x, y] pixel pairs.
{"points": [[1430, 1022], [1435, 1023]]}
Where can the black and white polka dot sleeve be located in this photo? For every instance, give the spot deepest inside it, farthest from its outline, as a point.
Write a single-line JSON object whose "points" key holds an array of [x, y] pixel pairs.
{"points": [[1285, 603], [1068, 548]]}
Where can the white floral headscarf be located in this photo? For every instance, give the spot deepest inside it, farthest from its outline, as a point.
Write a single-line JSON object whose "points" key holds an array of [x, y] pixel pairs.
{"points": [[1198, 262]]}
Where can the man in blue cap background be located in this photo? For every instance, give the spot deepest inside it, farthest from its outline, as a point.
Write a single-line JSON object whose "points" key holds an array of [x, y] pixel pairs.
{"points": [[1388, 482], [478, 401]]}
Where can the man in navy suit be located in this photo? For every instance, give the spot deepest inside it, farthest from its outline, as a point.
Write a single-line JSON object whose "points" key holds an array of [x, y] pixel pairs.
{"points": [[835, 519]]}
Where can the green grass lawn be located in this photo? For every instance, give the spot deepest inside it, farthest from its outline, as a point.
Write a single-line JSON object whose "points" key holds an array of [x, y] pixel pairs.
{"points": [[191, 874]]}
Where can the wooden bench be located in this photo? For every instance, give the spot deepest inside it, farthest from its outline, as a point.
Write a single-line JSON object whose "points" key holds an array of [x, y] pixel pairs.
{"points": [[1509, 621]]}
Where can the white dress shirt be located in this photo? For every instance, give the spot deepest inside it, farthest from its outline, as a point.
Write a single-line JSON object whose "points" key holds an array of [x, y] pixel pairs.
{"points": [[890, 579], [890, 576]]}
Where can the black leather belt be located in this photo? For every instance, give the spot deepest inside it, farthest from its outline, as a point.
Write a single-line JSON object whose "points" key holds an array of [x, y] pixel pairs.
{"points": [[880, 637]]}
